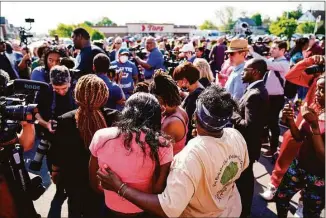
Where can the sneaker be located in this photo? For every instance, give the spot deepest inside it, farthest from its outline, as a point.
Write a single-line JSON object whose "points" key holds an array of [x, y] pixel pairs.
{"points": [[299, 212], [269, 194], [268, 153]]}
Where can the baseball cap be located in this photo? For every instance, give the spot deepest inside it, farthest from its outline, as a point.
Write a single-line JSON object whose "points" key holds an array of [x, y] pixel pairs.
{"points": [[123, 51], [188, 47]]}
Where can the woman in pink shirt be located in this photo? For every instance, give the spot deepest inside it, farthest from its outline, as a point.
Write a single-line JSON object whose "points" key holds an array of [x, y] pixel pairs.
{"points": [[175, 119], [223, 75], [136, 149]]}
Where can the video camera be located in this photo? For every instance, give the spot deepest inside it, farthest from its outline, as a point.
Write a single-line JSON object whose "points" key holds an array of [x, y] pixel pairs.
{"points": [[139, 51], [23, 35], [20, 105], [315, 69], [171, 62]]}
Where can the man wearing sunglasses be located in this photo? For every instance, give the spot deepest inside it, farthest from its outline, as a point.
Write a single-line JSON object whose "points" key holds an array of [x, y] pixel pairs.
{"points": [[250, 122], [237, 54]]}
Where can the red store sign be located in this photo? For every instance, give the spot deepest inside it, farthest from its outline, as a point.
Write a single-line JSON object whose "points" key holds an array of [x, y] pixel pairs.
{"points": [[152, 28]]}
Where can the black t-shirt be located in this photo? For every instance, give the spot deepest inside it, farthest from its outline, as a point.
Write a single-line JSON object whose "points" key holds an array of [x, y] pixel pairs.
{"points": [[68, 149], [205, 82], [52, 105], [189, 104]]}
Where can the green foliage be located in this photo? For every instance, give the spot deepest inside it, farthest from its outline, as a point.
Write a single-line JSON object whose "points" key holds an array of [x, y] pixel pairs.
{"points": [[106, 22], [321, 28], [88, 23], [65, 30], [257, 18], [283, 26], [97, 35], [307, 27], [294, 14], [207, 25]]}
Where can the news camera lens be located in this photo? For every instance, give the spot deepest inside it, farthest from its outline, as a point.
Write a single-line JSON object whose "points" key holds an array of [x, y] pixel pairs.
{"points": [[21, 112], [42, 150]]}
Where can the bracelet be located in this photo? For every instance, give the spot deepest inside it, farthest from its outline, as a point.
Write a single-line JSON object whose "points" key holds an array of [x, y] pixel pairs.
{"points": [[313, 133], [55, 171], [123, 194], [123, 184]]}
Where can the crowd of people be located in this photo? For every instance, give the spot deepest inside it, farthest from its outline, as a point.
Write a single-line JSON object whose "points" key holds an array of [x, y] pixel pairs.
{"points": [[135, 140]]}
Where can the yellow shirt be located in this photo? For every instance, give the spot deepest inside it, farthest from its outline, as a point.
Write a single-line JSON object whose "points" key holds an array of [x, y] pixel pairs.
{"points": [[201, 182]]}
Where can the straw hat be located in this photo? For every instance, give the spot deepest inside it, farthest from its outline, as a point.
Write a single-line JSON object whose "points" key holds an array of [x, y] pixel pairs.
{"points": [[238, 45]]}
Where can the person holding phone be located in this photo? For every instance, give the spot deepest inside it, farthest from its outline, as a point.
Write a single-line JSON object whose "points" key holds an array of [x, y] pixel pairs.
{"points": [[307, 171]]}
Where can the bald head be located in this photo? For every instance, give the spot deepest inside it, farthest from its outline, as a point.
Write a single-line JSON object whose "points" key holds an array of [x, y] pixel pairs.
{"points": [[258, 64], [150, 43]]}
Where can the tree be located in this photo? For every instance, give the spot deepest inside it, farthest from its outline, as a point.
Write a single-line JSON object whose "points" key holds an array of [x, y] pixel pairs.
{"points": [[267, 21], [65, 30], [97, 35], [207, 25], [294, 14], [88, 23], [307, 27], [106, 22], [283, 26], [257, 18], [62, 30], [225, 15]]}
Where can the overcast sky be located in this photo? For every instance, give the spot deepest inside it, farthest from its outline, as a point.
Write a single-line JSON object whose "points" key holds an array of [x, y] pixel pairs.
{"points": [[48, 14]]}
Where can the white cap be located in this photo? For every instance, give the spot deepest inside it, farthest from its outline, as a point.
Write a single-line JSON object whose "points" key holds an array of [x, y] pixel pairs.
{"points": [[188, 47]]}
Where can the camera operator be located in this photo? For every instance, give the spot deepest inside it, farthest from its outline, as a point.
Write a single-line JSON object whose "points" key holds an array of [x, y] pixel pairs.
{"points": [[260, 48], [84, 60], [127, 71], [7, 63], [53, 104], [26, 139], [155, 59]]}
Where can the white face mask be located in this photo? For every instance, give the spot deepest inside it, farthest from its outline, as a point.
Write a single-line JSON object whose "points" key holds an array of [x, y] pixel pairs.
{"points": [[123, 59]]}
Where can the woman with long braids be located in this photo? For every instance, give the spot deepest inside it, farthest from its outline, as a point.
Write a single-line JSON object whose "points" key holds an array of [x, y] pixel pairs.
{"points": [[140, 154], [72, 139], [174, 117], [307, 171]]}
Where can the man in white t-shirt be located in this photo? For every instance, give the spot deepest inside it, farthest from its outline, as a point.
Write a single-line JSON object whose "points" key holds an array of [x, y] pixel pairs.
{"points": [[201, 182]]}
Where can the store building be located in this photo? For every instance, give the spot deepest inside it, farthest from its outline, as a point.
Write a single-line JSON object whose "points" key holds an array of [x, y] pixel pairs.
{"points": [[143, 29], [8, 31]]}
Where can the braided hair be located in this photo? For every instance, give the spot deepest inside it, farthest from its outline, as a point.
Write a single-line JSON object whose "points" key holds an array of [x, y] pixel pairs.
{"points": [[165, 88], [91, 93]]}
